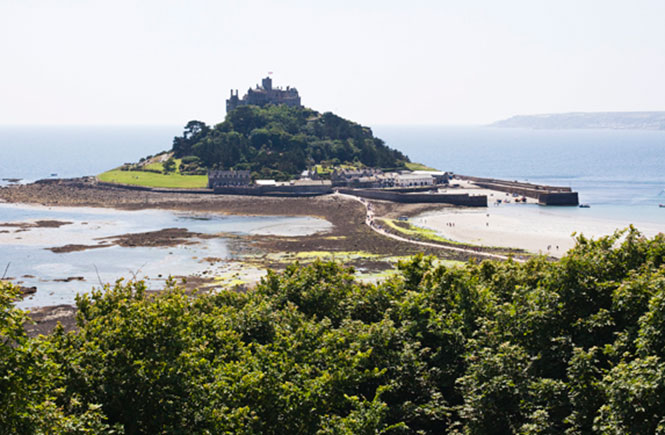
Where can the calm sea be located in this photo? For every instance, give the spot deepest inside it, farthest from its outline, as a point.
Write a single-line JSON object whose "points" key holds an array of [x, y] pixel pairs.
{"points": [[621, 173], [34, 152]]}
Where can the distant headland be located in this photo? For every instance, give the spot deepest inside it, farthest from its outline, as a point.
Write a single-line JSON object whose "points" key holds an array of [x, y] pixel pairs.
{"points": [[587, 120]]}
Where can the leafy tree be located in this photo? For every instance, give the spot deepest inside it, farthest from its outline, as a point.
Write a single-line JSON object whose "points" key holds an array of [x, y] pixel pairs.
{"points": [[169, 165], [193, 133], [574, 346], [31, 397]]}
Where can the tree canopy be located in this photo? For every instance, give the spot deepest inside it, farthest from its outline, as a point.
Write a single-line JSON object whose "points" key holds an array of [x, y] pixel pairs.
{"points": [[281, 141], [574, 346]]}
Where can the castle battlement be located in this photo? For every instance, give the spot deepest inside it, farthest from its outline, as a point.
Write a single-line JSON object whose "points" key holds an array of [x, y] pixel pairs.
{"points": [[263, 95]]}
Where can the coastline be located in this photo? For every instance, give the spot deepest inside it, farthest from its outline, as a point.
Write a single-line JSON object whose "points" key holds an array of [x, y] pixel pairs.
{"points": [[347, 239]]}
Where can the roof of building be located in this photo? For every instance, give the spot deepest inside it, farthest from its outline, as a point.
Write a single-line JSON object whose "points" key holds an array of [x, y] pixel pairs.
{"points": [[413, 176], [430, 172], [309, 182]]}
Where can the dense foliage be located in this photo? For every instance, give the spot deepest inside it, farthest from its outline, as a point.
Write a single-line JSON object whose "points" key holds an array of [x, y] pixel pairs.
{"points": [[281, 142], [574, 346]]}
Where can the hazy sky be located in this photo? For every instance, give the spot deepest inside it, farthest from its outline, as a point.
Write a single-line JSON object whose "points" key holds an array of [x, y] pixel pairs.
{"points": [[375, 62]]}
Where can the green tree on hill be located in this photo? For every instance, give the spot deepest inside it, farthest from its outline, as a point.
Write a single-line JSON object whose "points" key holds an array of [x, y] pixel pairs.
{"points": [[169, 165], [283, 141], [194, 131]]}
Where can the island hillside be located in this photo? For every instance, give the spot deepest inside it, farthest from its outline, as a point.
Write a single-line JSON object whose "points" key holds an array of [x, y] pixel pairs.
{"points": [[273, 142], [278, 141], [591, 120]]}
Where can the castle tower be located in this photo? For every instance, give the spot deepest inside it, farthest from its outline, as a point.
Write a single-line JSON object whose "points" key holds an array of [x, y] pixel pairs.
{"points": [[232, 102], [267, 83]]}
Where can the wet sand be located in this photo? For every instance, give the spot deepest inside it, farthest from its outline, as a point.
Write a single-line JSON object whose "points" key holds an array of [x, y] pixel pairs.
{"points": [[539, 231], [346, 234], [347, 217]]}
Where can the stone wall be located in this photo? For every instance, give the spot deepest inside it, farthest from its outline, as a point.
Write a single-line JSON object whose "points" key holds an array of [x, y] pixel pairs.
{"points": [[309, 190], [546, 195], [463, 199], [559, 198]]}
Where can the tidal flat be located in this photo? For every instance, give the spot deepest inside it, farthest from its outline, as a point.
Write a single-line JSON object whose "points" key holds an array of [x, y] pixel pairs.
{"points": [[65, 250], [97, 235]]}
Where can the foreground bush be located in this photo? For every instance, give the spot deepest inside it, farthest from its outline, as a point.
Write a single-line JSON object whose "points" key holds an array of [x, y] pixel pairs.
{"points": [[574, 346]]}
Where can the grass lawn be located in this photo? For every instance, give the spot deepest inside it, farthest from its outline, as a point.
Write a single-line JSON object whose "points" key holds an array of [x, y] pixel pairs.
{"points": [[417, 233], [159, 166], [151, 179], [321, 170], [419, 167]]}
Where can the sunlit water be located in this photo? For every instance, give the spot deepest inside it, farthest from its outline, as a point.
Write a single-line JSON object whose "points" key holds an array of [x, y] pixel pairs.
{"points": [[620, 173], [25, 258]]}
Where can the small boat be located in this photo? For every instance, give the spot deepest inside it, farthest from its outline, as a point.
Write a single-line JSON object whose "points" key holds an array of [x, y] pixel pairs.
{"points": [[585, 206], [54, 174], [661, 205]]}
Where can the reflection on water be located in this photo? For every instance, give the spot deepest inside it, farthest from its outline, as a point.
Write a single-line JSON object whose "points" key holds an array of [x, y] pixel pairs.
{"points": [[24, 249]]}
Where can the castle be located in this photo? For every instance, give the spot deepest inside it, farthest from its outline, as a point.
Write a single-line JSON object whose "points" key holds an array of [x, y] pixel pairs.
{"points": [[264, 94]]}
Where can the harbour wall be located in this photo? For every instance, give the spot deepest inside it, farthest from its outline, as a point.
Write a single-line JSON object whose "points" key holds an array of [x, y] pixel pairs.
{"points": [[434, 187], [395, 195], [546, 195], [462, 199], [314, 190]]}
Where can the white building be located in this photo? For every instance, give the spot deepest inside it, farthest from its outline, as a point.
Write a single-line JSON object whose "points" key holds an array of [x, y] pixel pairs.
{"points": [[413, 180]]}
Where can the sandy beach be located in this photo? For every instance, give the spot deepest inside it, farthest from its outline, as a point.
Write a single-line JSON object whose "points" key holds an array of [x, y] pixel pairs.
{"points": [[537, 229]]}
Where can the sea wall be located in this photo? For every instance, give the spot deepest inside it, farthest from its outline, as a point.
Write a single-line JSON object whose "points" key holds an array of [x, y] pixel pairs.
{"points": [[396, 195], [515, 184], [416, 188], [312, 190], [546, 195], [559, 198], [462, 199]]}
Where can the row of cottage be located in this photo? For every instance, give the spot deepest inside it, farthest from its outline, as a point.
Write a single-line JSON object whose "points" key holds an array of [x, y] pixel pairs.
{"points": [[364, 178]]}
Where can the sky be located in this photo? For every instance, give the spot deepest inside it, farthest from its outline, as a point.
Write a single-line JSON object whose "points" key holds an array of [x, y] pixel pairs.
{"points": [[377, 62]]}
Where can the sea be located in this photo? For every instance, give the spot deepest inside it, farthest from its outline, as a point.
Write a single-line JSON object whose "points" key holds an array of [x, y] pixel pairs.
{"points": [[619, 173]]}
